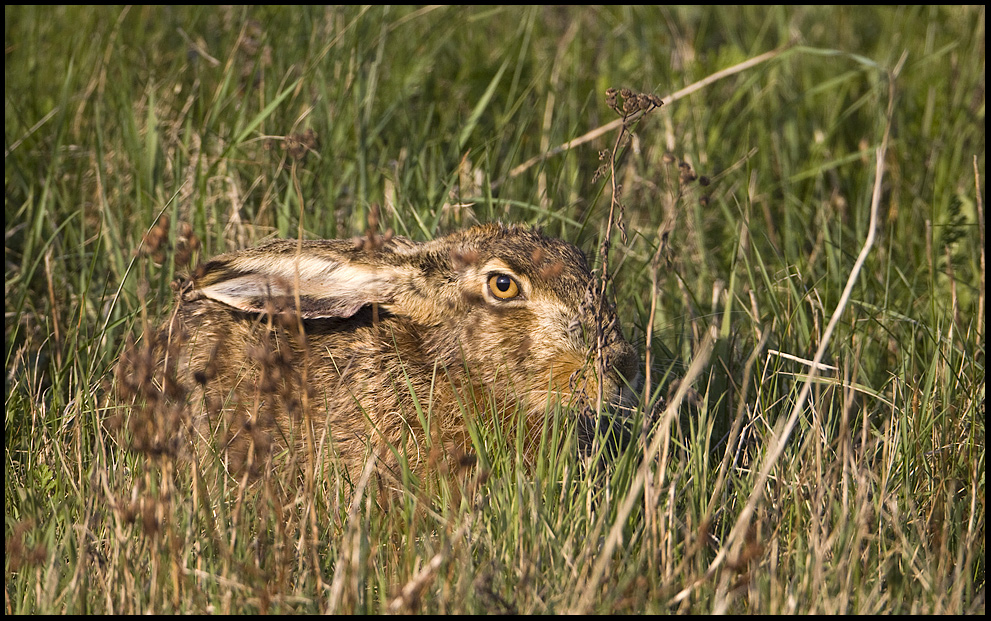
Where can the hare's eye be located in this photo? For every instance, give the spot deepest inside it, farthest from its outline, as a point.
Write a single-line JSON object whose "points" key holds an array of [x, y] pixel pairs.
{"points": [[503, 286]]}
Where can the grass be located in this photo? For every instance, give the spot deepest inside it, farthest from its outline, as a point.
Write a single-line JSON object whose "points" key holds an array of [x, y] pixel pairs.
{"points": [[745, 203]]}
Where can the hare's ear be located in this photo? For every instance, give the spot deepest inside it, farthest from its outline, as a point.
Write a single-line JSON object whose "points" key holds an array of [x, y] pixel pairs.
{"points": [[328, 286]]}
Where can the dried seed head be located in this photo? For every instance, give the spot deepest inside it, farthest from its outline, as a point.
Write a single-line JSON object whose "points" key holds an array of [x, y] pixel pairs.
{"points": [[153, 241], [372, 241], [551, 270], [687, 175], [186, 244], [599, 173], [298, 145], [463, 259]]}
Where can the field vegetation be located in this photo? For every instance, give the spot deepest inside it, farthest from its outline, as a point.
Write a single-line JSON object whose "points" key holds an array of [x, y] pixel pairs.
{"points": [[794, 239]]}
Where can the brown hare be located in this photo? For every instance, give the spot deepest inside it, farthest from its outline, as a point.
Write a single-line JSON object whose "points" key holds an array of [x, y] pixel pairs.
{"points": [[341, 348]]}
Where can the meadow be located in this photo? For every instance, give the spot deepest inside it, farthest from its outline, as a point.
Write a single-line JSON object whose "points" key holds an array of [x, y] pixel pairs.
{"points": [[794, 240]]}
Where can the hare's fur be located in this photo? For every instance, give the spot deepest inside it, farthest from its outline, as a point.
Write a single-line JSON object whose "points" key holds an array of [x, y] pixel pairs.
{"points": [[388, 347]]}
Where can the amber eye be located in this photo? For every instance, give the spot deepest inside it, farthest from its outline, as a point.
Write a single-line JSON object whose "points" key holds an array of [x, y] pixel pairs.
{"points": [[503, 286]]}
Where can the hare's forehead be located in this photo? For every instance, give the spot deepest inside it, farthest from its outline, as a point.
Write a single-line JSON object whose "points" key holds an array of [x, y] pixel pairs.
{"points": [[523, 258]]}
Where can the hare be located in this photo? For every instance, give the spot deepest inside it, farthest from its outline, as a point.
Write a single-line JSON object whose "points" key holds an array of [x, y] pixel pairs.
{"points": [[339, 347]]}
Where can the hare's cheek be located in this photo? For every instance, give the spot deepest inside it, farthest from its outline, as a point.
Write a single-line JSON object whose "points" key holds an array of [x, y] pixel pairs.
{"points": [[501, 333]]}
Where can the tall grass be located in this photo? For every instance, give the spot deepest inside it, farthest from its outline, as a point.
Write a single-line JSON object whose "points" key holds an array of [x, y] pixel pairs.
{"points": [[742, 206]]}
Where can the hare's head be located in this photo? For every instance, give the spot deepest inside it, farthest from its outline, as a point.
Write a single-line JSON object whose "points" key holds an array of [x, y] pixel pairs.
{"points": [[521, 312], [505, 316]]}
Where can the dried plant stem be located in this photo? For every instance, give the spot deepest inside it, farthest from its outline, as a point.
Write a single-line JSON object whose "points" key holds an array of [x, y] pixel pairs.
{"points": [[780, 438], [662, 436], [980, 229], [350, 557], [410, 592], [618, 123], [635, 107], [310, 518], [600, 363]]}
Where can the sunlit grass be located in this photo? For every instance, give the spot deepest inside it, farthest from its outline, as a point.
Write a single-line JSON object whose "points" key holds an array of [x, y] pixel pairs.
{"points": [[744, 205]]}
